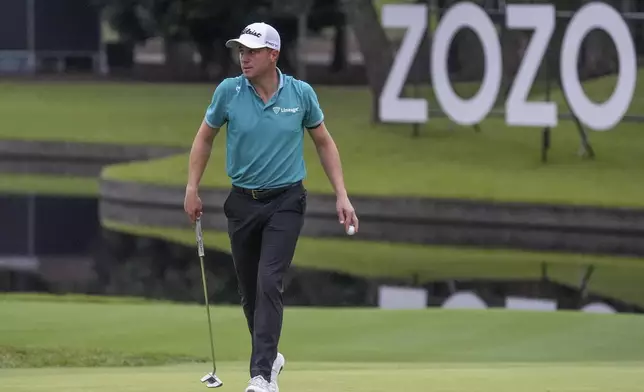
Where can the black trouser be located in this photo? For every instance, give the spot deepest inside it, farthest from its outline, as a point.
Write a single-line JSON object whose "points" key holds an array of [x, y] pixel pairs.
{"points": [[263, 233]]}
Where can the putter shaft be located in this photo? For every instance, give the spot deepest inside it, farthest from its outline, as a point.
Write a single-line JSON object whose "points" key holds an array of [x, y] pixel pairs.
{"points": [[201, 253]]}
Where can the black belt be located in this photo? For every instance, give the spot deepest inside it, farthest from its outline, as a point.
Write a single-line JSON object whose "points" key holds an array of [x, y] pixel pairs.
{"points": [[260, 194]]}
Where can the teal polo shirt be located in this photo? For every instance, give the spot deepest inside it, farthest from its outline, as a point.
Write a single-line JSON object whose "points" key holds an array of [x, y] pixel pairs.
{"points": [[264, 141]]}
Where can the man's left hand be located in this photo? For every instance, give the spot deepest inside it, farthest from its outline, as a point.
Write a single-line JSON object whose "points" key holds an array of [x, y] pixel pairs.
{"points": [[346, 213]]}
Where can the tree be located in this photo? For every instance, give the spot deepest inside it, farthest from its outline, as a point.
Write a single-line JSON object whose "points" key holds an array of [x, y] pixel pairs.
{"points": [[139, 20], [325, 13], [319, 14], [207, 24], [211, 23]]}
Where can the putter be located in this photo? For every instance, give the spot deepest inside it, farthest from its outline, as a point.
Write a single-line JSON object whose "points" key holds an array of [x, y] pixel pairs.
{"points": [[211, 379]]}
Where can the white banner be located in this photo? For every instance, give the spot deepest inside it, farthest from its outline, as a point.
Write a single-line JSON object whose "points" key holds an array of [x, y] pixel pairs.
{"points": [[393, 297], [540, 18]]}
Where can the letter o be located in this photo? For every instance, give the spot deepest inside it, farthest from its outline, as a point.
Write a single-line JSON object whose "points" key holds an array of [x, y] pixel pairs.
{"points": [[600, 117], [464, 300], [475, 109], [598, 307]]}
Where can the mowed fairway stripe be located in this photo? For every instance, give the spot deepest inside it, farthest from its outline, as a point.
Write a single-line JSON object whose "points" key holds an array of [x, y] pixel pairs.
{"points": [[311, 377]]}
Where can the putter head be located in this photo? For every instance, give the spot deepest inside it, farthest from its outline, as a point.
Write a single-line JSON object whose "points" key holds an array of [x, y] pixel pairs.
{"points": [[211, 380]]}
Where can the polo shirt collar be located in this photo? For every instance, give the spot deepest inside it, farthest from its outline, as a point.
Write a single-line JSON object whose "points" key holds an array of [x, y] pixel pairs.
{"points": [[279, 86], [281, 75]]}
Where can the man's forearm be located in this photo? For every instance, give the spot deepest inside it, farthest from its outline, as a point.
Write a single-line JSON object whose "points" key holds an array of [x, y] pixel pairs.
{"points": [[199, 156], [330, 159]]}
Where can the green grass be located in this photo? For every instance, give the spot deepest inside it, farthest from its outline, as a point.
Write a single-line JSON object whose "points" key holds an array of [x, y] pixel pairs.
{"points": [[323, 377], [76, 298], [500, 163], [341, 335], [48, 184], [129, 113], [12, 357], [326, 349], [619, 277]]}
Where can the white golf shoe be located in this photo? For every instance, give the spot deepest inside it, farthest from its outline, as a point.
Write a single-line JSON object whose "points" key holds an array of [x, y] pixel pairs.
{"points": [[278, 366], [258, 384]]}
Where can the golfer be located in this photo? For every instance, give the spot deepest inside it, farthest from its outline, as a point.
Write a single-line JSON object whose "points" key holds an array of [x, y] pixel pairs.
{"points": [[266, 113]]}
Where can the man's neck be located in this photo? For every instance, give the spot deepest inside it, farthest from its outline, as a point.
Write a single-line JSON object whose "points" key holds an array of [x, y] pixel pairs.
{"points": [[267, 84]]}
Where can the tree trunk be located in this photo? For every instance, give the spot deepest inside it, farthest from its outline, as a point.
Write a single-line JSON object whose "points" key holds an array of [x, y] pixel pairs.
{"points": [[374, 45], [340, 47]]}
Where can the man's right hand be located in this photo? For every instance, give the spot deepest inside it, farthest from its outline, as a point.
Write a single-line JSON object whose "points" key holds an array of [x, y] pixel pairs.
{"points": [[192, 204]]}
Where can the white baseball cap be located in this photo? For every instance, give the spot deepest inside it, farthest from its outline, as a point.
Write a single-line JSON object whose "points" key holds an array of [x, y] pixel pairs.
{"points": [[257, 35]]}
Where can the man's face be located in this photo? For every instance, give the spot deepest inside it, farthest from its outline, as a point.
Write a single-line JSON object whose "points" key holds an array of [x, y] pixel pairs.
{"points": [[256, 62]]}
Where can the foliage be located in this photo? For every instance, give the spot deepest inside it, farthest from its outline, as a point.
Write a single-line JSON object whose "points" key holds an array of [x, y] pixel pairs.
{"points": [[205, 23]]}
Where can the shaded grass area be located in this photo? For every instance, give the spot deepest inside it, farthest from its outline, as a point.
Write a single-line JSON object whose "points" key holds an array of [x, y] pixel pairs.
{"points": [[618, 277], [14, 357], [78, 298], [341, 335]]}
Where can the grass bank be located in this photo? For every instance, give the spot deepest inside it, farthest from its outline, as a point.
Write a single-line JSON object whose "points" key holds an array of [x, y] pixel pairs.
{"points": [[500, 163], [341, 335], [619, 277], [326, 349]]}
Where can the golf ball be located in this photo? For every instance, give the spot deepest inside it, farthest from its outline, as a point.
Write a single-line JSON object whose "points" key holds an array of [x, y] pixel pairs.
{"points": [[351, 230]]}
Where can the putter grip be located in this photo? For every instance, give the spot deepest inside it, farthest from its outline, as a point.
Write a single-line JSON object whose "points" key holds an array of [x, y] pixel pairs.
{"points": [[199, 238]]}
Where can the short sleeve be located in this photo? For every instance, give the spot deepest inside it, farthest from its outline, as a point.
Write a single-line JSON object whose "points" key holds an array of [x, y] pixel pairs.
{"points": [[313, 115], [217, 111]]}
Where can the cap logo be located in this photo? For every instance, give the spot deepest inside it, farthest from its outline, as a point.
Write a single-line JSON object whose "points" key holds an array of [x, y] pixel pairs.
{"points": [[251, 32]]}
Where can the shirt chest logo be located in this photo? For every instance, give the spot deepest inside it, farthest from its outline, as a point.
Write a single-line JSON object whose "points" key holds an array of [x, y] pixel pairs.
{"points": [[277, 110]]}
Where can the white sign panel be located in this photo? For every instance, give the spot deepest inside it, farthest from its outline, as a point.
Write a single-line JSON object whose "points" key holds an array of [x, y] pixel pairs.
{"points": [[540, 18], [470, 300], [396, 297], [534, 304], [391, 297]]}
